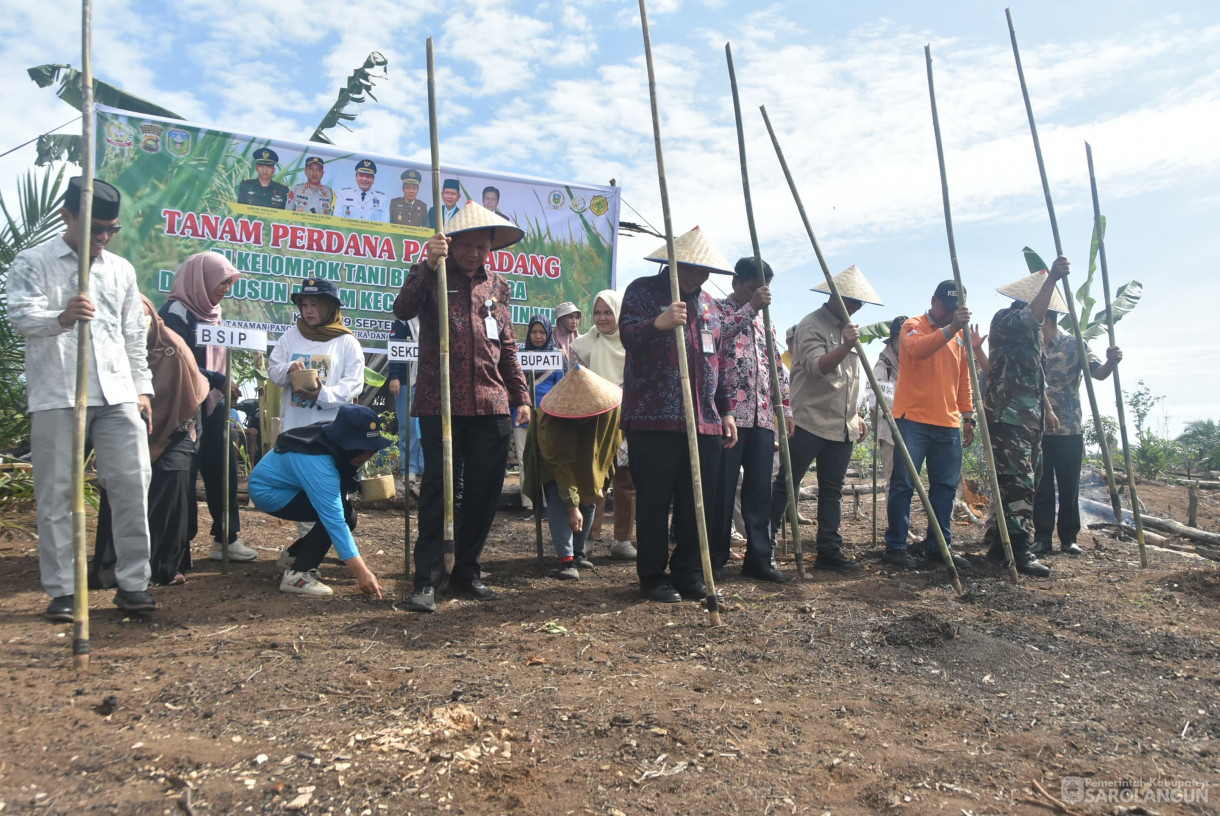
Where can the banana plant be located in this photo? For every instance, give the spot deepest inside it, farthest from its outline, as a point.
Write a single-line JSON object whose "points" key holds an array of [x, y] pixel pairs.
{"points": [[1092, 325]]}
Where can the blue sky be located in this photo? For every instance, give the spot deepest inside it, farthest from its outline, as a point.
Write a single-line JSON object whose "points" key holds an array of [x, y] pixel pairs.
{"points": [[558, 89]]}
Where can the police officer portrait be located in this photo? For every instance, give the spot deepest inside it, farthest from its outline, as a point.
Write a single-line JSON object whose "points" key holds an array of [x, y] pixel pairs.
{"points": [[313, 196]]}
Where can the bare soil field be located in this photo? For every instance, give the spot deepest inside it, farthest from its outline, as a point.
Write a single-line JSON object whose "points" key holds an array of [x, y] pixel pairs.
{"points": [[878, 693]]}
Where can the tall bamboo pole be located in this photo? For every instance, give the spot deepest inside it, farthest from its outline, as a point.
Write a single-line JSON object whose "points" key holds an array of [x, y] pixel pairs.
{"points": [[980, 418], [692, 439], [406, 480], [772, 368], [442, 305], [225, 406], [1082, 351], [84, 345], [875, 444], [536, 473], [1118, 386], [900, 445]]}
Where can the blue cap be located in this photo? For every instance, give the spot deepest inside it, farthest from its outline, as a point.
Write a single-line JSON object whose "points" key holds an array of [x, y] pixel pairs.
{"points": [[312, 160], [312, 287], [356, 427], [366, 166], [412, 177], [266, 156], [451, 184]]}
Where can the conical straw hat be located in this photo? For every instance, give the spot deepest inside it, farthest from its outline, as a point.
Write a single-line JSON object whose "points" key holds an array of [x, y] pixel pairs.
{"points": [[580, 394], [1025, 289], [851, 283], [475, 216], [694, 249]]}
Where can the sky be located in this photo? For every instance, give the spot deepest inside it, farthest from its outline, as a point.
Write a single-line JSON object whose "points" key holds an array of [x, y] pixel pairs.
{"points": [[558, 89]]}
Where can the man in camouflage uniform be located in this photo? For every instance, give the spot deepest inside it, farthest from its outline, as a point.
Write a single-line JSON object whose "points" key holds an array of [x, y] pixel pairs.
{"points": [[1015, 408], [263, 191], [313, 196], [1063, 449]]}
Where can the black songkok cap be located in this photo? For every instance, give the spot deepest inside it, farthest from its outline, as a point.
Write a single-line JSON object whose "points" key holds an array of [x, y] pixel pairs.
{"points": [[106, 199]]}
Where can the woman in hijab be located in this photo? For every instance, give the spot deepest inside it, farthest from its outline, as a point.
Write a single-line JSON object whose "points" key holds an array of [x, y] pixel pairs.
{"points": [[199, 285], [601, 349], [538, 337], [319, 342], [180, 388]]}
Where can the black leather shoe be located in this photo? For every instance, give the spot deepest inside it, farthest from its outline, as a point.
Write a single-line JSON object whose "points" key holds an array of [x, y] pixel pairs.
{"points": [[835, 561], [933, 560], [767, 573], [661, 593], [135, 600], [61, 609], [1028, 565], [1071, 549], [696, 591], [1042, 548], [899, 558], [476, 590]]}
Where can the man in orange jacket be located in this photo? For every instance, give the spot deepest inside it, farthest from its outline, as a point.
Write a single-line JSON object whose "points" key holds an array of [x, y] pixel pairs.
{"points": [[935, 415]]}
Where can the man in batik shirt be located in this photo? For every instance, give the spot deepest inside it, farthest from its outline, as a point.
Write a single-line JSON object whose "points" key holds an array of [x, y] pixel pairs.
{"points": [[744, 344]]}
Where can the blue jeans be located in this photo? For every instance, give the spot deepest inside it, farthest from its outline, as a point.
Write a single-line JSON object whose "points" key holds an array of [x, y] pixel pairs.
{"points": [[408, 429], [941, 448], [567, 543]]}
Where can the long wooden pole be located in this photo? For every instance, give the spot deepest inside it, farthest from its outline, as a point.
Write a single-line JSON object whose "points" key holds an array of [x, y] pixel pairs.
{"points": [[226, 405], [536, 473], [772, 369], [442, 305], [1082, 350], [876, 443], [1118, 386], [980, 418], [406, 479], [692, 439], [84, 345], [900, 446]]}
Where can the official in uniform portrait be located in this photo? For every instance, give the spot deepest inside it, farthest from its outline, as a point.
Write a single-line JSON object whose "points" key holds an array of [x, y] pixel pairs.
{"points": [[407, 209], [263, 191], [362, 201], [313, 196]]}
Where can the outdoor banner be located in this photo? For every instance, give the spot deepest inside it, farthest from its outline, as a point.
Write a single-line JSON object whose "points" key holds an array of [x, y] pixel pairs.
{"points": [[287, 211]]}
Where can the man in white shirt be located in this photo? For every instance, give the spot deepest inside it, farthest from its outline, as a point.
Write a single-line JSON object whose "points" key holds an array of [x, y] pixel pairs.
{"points": [[44, 306]]}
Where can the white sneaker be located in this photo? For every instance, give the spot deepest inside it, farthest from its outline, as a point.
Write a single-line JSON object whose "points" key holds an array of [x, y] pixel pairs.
{"points": [[285, 561], [238, 551], [304, 583], [622, 550]]}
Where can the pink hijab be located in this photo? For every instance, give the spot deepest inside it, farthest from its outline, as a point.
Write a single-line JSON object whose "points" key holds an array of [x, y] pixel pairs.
{"points": [[199, 275]]}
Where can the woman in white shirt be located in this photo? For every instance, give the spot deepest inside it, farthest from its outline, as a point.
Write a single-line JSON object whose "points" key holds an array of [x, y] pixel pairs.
{"points": [[321, 342]]}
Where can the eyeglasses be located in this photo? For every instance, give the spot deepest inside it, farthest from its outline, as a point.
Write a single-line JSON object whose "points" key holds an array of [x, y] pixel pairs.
{"points": [[96, 231]]}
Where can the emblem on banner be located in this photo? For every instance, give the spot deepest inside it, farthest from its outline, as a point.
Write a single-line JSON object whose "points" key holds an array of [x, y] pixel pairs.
{"points": [[179, 142], [119, 134], [150, 137], [555, 199], [599, 205], [578, 204]]}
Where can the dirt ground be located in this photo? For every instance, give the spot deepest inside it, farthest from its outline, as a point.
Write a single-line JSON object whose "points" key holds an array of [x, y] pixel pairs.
{"points": [[882, 692]]}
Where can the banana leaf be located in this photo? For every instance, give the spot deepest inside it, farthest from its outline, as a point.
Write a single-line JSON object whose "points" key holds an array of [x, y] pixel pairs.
{"points": [[875, 331], [359, 85], [373, 378]]}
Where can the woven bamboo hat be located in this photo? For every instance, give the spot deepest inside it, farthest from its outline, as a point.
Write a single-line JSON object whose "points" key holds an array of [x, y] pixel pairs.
{"points": [[476, 217], [851, 283], [1025, 289], [693, 249], [580, 394]]}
